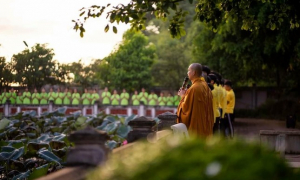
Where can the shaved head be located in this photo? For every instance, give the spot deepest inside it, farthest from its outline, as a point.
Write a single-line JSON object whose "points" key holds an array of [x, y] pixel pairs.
{"points": [[197, 68]]}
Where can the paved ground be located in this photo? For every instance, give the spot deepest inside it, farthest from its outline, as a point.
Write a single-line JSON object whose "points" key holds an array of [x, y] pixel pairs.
{"points": [[248, 129]]}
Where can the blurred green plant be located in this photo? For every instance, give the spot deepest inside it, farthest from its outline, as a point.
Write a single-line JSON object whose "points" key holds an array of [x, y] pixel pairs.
{"points": [[33, 146], [215, 159]]}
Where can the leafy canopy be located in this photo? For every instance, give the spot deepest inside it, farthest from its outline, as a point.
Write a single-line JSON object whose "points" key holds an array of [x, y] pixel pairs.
{"points": [[273, 14], [129, 66]]}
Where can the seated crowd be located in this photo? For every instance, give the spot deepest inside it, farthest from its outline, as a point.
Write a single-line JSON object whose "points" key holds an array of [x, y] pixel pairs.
{"points": [[66, 97]]}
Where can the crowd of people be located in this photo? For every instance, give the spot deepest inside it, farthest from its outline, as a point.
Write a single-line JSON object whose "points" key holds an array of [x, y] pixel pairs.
{"points": [[88, 97], [206, 107]]}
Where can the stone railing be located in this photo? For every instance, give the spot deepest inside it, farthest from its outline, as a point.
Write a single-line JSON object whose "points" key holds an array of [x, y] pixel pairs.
{"points": [[89, 150], [142, 110], [285, 142]]}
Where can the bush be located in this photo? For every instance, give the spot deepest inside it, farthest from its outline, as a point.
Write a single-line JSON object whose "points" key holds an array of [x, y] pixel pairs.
{"points": [[195, 159]]}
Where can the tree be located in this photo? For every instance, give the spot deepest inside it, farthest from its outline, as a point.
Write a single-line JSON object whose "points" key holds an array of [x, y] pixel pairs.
{"points": [[272, 14], [130, 64], [258, 39], [84, 75], [6, 74], [35, 67]]}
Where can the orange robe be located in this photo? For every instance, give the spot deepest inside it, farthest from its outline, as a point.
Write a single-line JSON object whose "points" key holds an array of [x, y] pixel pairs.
{"points": [[195, 109]]}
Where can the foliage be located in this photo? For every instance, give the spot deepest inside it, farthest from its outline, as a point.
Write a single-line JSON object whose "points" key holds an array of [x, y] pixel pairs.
{"points": [[272, 14], [34, 146], [211, 159], [173, 55], [247, 41], [36, 67], [84, 75], [6, 73], [135, 13], [130, 64]]}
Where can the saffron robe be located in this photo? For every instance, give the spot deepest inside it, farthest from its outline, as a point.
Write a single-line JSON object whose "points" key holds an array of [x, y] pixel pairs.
{"points": [[195, 109]]}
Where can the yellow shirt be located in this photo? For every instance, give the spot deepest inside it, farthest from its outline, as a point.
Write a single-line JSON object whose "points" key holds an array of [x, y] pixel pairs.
{"points": [[230, 101], [216, 102], [223, 101]]}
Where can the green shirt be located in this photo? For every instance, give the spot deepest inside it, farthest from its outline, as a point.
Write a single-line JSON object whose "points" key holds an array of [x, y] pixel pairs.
{"points": [[86, 98], [44, 98], [95, 97], [135, 100], [66, 99], [59, 99], [13, 98], [144, 97], [152, 98], [124, 99], [162, 101], [115, 99], [176, 100], [75, 98], [5, 96], [105, 97], [52, 96], [26, 97], [19, 100], [170, 101], [35, 97]]}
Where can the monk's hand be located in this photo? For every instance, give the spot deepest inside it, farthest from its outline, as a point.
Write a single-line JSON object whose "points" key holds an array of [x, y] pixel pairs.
{"points": [[181, 92]]}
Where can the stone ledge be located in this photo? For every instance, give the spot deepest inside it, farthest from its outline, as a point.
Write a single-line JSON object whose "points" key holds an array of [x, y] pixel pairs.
{"points": [[276, 132], [68, 173]]}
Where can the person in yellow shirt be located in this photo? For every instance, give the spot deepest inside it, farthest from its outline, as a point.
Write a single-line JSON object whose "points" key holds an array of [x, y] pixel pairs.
{"points": [[230, 97], [216, 101], [223, 105]]}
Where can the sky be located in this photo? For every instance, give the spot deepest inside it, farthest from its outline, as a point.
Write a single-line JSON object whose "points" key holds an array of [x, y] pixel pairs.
{"points": [[50, 21]]}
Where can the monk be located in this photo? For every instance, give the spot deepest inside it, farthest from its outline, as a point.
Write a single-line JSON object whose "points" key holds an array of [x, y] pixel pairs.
{"points": [[195, 109]]}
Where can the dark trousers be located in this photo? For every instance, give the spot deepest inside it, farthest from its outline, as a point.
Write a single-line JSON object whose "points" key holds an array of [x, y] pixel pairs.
{"points": [[226, 125], [216, 128]]}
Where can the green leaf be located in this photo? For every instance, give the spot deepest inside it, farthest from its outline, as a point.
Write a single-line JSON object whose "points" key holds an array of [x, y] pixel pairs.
{"points": [[48, 156], [106, 28], [80, 120], [115, 30], [103, 125], [22, 175], [111, 144], [39, 172], [81, 13], [4, 123], [7, 149], [3, 143], [5, 156], [111, 128], [33, 148], [16, 143], [16, 165], [57, 144], [110, 119], [61, 153], [123, 131], [31, 113], [191, 1], [129, 118], [17, 153], [126, 19]]}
